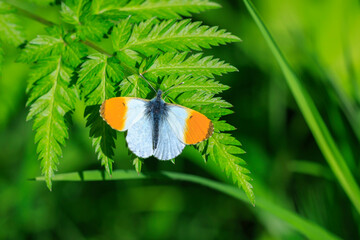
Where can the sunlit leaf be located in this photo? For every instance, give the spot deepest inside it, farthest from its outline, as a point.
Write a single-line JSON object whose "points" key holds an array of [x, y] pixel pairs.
{"points": [[97, 80], [51, 98], [10, 29], [148, 38], [163, 9]]}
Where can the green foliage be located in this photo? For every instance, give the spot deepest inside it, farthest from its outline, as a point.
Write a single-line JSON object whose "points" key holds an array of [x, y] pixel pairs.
{"points": [[307, 228], [137, 164], [42, 2], [312, 116], [196, 72], [56, 43], [158, 49], [72, 11], [10, 30], [148, 38], [190, 83], [183, 63], [52, 95], [97, 80], [223, 149], [1, 58], [293, 193], [51, 98], [199, 93], [163, 9], [88, 25]]}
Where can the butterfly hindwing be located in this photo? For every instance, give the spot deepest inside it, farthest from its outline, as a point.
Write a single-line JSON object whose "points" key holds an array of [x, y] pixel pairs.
{"points": [[190, 126], [140, 137], [169, 146]]}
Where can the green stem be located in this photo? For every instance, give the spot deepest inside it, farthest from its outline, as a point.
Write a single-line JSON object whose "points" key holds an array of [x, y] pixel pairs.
{"points": [[48, 23], [30, 15], [315, 122], [85, 42], [307, 228], [97, 48]]}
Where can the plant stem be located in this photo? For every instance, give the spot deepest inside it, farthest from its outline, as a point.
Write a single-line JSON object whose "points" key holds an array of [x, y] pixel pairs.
{"points": [[39, 19], [312, 116], [30, 15], [97, 48], [307, 228], [48, 23]]}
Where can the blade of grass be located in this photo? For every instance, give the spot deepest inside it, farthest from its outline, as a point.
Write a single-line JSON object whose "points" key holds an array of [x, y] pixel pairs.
{"points": [[311, 169], [315, 122], [307, 228]]}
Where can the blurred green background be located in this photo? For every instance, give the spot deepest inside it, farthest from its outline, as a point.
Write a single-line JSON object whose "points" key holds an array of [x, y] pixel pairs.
{"points": [[320, 39]]}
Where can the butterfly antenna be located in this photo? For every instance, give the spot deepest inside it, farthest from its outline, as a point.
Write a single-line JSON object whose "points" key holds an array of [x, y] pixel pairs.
{"points": [[172, 88], [142, 76]]}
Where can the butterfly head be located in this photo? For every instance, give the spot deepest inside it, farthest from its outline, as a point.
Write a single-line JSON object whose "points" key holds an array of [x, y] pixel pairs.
{"points": [[159, 94]]}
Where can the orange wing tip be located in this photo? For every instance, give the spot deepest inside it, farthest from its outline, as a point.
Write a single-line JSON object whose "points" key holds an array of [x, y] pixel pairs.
{"points": [[198, 128], [210, 131], [102, 110], [113, 111]]}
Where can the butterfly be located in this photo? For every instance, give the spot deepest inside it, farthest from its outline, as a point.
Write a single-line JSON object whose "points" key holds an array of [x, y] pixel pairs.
{"points": [[154, 127]]}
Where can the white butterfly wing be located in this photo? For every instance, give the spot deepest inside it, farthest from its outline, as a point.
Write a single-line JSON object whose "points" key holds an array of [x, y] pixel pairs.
{"points": [[169, 146], [126, 113], [176, 119], [140, 137], [190, 126], [122, 112]]}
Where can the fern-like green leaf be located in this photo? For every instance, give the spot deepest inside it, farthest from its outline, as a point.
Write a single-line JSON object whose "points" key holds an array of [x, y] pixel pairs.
{"points": [[181, 63], [94, 27], [171, 35], [10, 29], [133, 85], [163, 9], [121, 34], [54, 44], [198, 94], [51, 98], [97, 80], [191, 84], [223, 126], [40, 47], [199, 99], [51, 94], [223, 149], [72, 10], [88, 25]]}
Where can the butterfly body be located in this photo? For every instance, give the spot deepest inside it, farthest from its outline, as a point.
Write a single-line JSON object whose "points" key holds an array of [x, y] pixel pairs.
{"points": [[154, 127], [156, 110]]}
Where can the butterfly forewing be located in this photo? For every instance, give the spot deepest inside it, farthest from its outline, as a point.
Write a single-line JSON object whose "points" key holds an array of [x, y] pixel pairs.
{"points": [[121, 112], [190, 126]]}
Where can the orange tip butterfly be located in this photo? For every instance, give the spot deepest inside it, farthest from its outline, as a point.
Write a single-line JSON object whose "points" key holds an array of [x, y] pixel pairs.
{"points": [[154, 127]]}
